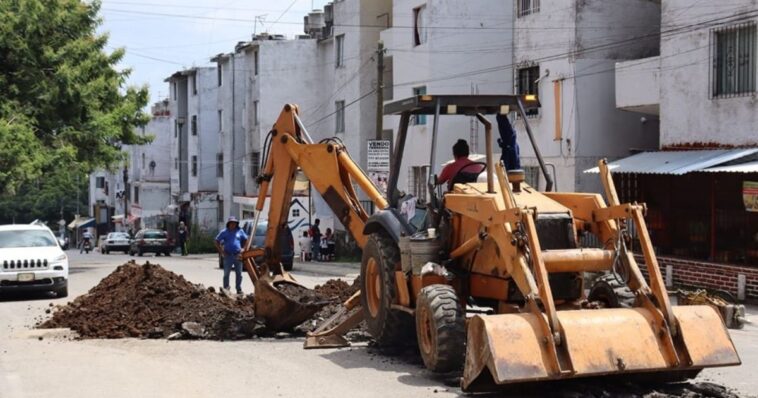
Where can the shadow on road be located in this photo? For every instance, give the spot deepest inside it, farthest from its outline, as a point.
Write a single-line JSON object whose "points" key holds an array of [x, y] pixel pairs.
{"points": [[26, 296]]}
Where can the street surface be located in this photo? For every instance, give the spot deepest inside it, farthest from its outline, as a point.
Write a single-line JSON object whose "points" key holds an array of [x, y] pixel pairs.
{"points": [[56, 366]]}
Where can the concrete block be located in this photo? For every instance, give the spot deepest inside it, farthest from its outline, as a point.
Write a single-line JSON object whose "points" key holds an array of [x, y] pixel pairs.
{"points": [[741, 283]]}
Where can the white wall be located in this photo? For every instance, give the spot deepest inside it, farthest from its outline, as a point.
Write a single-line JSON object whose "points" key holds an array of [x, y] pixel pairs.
{"points": [[638, 86], [689, 114]]}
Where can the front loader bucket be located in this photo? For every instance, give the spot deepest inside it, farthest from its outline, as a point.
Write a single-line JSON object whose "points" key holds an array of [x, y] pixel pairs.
{"points": [[279, 311], [511, 348]]}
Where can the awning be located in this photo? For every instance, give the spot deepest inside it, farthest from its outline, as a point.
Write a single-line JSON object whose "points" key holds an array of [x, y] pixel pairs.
{"points": [[749, 167], [81, 222], [676, 162]]}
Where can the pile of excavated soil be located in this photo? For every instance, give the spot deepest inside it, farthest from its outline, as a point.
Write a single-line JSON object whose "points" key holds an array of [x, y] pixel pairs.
{"points": [[147, 301]]}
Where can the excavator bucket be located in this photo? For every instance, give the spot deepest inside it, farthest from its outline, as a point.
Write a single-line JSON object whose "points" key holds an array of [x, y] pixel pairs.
{"points": [[511, 348], [280, 311]]}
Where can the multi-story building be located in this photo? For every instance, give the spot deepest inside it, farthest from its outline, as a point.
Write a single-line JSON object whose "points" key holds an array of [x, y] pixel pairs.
{"points": [[445, 47], [194, 149], [701, 186]]}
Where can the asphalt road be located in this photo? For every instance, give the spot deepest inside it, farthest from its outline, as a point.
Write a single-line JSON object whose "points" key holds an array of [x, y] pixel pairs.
{"points": [[55, 366]]}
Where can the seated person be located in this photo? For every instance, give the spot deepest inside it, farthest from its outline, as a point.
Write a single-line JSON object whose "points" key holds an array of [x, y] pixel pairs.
{"points": [[461, 164]]}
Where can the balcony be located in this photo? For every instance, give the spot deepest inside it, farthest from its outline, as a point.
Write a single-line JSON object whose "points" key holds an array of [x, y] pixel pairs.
{"points": [[638, 86]]}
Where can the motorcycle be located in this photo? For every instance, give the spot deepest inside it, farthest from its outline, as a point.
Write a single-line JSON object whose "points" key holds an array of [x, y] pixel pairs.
{"points": [[87, 245]]}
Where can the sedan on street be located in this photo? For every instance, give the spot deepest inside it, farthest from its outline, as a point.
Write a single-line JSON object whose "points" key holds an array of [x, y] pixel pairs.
{"points": [[116, 242]]}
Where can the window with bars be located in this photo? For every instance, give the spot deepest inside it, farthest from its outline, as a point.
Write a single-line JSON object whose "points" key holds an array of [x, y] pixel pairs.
{"points": [[194, 85], [255, 164], [220, 120], [219, 164], [734, 60], [417, 177], [194, 166], [532, 176], [193, 124], [220, 211], [527, 7], [136, 194], [527, 84], [418, 119], [255, 62], [100, 182], [339, 116], [219, 75], [255, 113]]}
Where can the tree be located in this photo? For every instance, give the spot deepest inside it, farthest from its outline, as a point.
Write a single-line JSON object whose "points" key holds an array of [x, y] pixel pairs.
{"points": [[65, 108]]}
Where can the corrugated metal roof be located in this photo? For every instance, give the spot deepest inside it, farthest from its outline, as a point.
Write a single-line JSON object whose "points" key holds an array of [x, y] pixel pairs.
{"points": [[675, 162], [749, 167]]}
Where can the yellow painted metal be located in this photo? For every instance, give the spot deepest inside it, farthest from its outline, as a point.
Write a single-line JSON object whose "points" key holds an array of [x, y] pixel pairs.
{"points": [[509, 348], [577, 260]]}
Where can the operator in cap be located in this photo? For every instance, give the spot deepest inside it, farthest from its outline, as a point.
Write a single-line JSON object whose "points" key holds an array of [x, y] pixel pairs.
{"points": [[229, 243]]}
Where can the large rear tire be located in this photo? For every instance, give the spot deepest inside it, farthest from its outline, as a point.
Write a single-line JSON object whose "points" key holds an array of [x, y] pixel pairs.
{"points": [[440, 328], [378, 292], [611, 292]]}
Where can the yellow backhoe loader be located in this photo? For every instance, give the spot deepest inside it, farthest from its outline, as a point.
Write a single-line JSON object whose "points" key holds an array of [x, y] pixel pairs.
{"points": [[487, 277]]}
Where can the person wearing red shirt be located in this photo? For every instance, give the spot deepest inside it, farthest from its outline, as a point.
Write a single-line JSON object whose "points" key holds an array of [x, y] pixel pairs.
{"points": [[460, 153]]}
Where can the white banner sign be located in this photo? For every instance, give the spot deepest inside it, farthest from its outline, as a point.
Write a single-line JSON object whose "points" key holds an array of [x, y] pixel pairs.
{"points": [[378, 158]]}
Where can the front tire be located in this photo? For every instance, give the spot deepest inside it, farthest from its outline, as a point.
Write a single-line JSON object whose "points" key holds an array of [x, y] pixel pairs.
{"points": [[378, 292], [440, 328], [62, 292], [140, 253]]}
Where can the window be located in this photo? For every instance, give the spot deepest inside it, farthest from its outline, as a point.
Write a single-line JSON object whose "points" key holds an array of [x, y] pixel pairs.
{"points": [[417, 182], [255, 63], [194, 166], [255, 113], [100, 182], [339, 116], [734, 60], [295, 212], [418, 119], [220, 211], [419, 25], [219, 164], [193, 124], [173, 89], [219, 75], [220, 120], [136, 194], [532, 176], [527, 84], [176, 128], [339, 51], [526, 7], [194, 85], [144, 163], [255, 160], [176, 163]]}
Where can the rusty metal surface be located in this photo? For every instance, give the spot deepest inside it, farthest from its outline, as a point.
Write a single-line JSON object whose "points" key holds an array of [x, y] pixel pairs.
{"points": [[510, 348]]}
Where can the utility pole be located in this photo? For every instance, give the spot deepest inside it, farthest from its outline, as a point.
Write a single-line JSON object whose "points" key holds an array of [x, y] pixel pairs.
{"points": [[379, 89]]}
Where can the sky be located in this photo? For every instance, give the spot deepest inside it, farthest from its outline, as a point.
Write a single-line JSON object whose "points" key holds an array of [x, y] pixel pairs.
{"points": [[162, 37]]}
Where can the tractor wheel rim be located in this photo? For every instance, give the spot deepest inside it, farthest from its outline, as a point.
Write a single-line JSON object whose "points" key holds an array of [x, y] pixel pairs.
{"points": [[373, 287]]}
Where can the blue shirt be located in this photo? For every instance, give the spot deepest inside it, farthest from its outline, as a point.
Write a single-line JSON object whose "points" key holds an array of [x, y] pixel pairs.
{"points": [[231, 240]]}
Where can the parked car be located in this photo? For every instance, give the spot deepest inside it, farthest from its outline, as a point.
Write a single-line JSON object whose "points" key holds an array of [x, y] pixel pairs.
{"points": [[32, 260], [151, 241], [285, 235], [116, 242]]}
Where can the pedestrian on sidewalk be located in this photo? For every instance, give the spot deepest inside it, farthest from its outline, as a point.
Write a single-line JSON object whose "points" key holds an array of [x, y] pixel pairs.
{"points": [[305, 247], [316, 239], [182, 238], [229, 243]]}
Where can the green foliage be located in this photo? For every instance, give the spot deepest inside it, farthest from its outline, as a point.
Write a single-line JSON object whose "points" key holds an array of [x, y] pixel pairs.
{"points": [[64, 106], [200, 242]]}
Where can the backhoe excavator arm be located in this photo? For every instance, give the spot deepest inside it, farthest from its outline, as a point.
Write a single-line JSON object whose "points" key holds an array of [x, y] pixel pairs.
{"points": [[331, 172]]}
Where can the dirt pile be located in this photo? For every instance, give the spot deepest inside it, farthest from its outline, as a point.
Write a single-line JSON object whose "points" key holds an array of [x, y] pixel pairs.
{"points": [[147, 301]]}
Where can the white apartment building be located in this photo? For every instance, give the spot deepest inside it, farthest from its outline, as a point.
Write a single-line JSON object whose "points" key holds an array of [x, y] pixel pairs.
{"points": [[445, 47], [194, 149], [565, 52], [146, 194], [703, 83]]}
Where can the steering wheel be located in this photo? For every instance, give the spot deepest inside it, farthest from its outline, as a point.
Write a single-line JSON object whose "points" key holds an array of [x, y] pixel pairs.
{"points": [[466, 174]]}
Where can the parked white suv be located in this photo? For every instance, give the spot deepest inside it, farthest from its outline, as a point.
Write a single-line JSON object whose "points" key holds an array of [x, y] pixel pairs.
{"points": [[32, 260]]}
